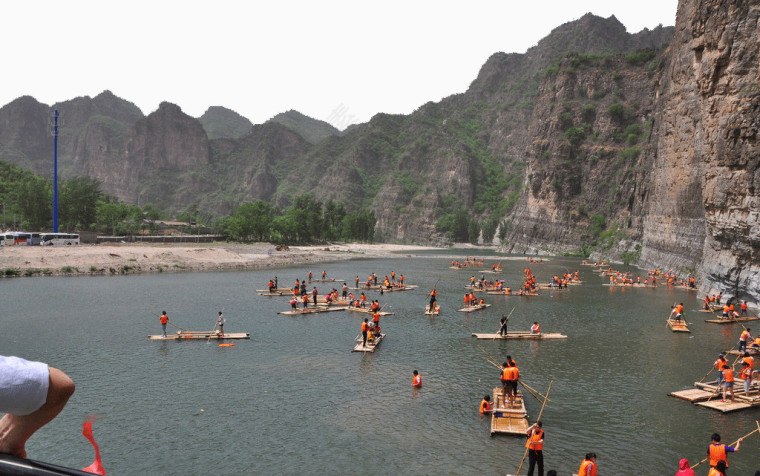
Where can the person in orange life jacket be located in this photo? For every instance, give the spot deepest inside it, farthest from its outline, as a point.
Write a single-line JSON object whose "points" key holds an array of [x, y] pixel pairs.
{"points": [[728, 381], [717, 451], [376, 318], [164, 319], [535, 328], [433, 295], [743, 307], [535, 445], [485, 405], [365, 328], [510, 374], [746, 375], [271, 286], [719, 469], [588, 465], [718, 365], [416, 379], [743, 338]]}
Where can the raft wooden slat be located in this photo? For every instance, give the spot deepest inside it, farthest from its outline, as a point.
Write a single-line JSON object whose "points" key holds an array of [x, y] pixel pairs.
{"points": [[288, 291], [436, 311], [370, 347], [328, 280], [678, 326], [750, 351], [725, 407], [474, 308], [731, 321], [188, 335], [386, 289], [520, 335], [693, 394], [709, 395], [510, 421], [366, 310], [500, 293], [312, 310]]}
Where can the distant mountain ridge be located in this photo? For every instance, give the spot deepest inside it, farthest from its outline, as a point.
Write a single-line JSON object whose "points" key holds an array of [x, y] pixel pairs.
{"points": [[313, 130], [222, 123]]}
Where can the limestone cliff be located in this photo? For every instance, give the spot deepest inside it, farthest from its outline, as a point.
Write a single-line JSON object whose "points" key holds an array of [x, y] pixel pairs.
{"points": [[705, 195]]}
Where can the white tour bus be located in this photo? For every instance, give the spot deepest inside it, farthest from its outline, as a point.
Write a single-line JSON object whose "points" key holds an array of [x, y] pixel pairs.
{"points": [[48, 239]]}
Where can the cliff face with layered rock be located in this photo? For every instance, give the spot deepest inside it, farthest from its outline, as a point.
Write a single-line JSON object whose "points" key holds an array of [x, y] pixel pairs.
{"points": [[705, 198]]}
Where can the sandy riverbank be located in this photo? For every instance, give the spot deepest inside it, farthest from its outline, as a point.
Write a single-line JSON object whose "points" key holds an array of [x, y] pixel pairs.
{"points": [[130, 258]]}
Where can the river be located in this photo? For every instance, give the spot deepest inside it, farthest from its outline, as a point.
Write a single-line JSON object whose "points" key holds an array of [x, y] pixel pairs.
{"points": [[293, 399]]}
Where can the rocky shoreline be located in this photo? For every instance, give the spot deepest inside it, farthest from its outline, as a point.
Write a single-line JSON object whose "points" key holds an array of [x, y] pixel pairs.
{"points": [[131, 258]]}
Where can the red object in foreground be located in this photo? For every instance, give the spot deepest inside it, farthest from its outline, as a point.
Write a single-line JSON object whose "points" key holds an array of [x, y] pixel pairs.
{"points": [[97, 466]]}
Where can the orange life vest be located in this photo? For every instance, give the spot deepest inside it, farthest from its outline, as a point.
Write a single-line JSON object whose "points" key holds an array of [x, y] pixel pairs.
{"points": [[728, 374], [364, 327], [535, 440], [164, 318], [485, 406], [587, 468], [717, 453], [744, 306], [417, 381], [746, 373], [535, 328], [750, 361], [714, 472]]}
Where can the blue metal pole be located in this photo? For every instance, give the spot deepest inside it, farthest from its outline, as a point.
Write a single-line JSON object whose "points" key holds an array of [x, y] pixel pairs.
{"points": [[55, 172]]}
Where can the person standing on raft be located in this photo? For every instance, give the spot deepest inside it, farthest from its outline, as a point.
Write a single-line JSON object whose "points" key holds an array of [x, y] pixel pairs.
{"points": [[164, 319], [535, 445], [220, 323], [503, 325], [433, 295]]}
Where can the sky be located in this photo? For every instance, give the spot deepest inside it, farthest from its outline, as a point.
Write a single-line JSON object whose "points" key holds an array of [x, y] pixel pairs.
{"points": [[337, 61]]}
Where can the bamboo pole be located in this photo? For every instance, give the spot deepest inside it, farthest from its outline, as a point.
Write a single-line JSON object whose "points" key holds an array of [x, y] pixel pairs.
{"points": [[537, 420], [732, 444]]}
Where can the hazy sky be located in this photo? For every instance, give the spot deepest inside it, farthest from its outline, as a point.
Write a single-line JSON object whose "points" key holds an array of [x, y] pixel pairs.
{"points": [[340, 61]]}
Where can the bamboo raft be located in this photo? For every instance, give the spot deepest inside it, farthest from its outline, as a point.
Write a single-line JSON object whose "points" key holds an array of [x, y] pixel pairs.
{"points": [[550, 287], [678, 326], [370, 347], [520, 335], [312, 310], [436, 311], [367, 310], [709, 395], [201, 335], [725, 320], [328, 280], [500, 293], [750, 351], [275, 292], [378, 288], [511, 421], [477, 307]]}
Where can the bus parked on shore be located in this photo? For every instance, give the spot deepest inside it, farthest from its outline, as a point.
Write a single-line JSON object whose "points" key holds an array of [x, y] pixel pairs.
{"points": [[56, 239]]}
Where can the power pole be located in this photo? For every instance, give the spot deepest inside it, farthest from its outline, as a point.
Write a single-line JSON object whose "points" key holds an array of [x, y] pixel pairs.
{"points": [[55, 171]]}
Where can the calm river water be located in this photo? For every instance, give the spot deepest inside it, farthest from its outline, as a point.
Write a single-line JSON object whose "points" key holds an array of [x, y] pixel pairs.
{"points": [[295, 400]]}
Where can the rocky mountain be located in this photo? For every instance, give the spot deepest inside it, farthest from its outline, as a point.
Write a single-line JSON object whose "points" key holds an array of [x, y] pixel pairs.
{"points": [[222, 123], [636, 146], [313, 130]]}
